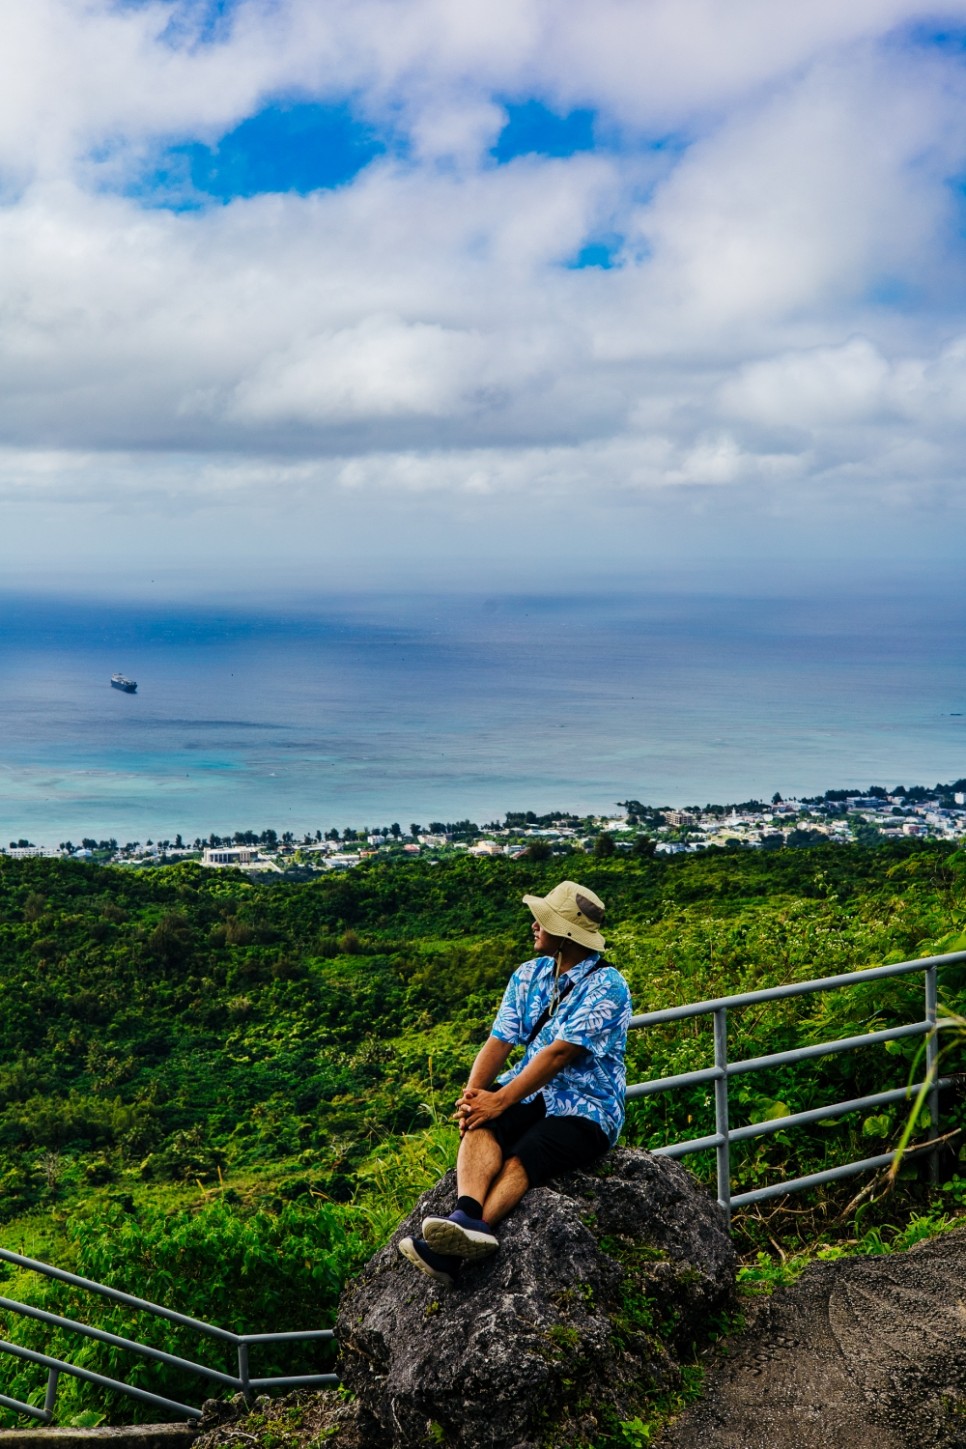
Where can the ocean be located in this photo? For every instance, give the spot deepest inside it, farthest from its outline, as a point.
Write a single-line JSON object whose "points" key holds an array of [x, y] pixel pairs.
{"points": [[322, 712]]}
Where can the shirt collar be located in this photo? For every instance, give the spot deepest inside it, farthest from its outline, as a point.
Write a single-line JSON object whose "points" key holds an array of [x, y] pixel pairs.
{"points": [[576, 973]]}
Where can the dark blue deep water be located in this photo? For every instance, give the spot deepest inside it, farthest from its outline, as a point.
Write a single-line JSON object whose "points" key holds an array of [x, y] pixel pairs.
{"points": [[368, 711]]}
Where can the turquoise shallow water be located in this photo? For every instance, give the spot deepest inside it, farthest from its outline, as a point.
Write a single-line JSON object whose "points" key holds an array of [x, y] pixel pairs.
{"points": [[340, 712]]}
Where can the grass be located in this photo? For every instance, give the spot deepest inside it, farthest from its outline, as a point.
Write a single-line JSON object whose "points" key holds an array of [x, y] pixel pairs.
{"points": [[764, 1272]]}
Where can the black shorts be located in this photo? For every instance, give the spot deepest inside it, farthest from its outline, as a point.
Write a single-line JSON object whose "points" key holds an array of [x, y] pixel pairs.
{"points": [[547, 1145]]}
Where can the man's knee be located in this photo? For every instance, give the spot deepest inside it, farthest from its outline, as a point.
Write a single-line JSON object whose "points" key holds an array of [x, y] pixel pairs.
{"points": [[480, 1136]]}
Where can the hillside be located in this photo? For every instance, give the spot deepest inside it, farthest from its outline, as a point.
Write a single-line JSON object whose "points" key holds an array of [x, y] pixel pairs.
{"points": [[222, 1093]]}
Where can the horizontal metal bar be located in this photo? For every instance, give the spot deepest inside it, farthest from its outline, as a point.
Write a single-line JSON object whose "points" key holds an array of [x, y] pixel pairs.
{"points": [[27, 1310], [837, 1109], [795, 988], [20, 1408], [117, 1296], [292, 1383], [777, 1059], [815, 1179], [828, 1048], [794, 1119], [92, 1378], [667, 1084], [683, 1149], [326, 1334]]}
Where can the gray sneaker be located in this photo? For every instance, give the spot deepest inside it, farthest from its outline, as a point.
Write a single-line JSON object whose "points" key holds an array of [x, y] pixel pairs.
{"points": [[435, 1265], [460, 1236]]}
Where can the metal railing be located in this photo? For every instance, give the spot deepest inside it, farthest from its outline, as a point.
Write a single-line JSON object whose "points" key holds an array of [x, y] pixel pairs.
{"points": [[720, 1141], [723, 1070], [242, 1382]]}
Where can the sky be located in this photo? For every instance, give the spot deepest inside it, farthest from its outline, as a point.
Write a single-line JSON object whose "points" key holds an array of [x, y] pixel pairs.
{"points": [[500, 292]]}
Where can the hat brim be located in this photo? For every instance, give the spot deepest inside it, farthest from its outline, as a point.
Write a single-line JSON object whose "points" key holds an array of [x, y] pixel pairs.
{"points": [[558, 925]]}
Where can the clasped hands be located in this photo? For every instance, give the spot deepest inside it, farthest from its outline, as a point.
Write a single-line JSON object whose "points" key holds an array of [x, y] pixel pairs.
{"points": [[476, 1106]]}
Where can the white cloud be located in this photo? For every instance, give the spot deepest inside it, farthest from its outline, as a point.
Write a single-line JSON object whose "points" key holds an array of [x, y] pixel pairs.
{"points": [[405, 295], [801, 206], [380, 368], [853, 383], [75, 76], [419, 330], [811, 388]]}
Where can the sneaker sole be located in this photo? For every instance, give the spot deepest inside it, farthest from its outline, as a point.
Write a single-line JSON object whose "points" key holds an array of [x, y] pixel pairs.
{"points": [[447, 1237], [408, 1250]]}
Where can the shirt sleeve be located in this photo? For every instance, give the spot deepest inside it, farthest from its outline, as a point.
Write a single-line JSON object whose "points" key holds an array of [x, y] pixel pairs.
{"points": [[598, 1021]]}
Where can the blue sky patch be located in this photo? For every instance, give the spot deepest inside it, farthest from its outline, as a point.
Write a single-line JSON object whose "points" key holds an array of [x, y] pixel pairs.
{"points": [[534, 130], [212, 20], [601, 252], [957, 189], [190, 22], [893, 292], [948, 38], [285, 148]]}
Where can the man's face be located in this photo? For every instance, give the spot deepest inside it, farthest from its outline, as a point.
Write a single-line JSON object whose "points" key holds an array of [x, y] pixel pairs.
{"points": [[544, 943]]}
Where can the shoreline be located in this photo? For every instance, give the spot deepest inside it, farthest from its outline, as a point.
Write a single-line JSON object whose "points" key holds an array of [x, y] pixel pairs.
{"points": [[839, 815]]}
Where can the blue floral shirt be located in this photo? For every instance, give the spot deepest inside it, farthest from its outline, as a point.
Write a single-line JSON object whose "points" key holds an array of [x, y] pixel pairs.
{"points": [[593, 1015]]}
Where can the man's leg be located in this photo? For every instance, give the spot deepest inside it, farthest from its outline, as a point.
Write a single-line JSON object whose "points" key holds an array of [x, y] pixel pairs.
{"points": [[507, 1190], [478, 1164], [466, 1233], [555, 1145], [464, 1236], [447, 1242], [485, 1184]]}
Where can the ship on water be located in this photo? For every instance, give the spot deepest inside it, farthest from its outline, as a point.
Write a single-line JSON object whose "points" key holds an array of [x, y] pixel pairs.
{"points": [[129, 686]]}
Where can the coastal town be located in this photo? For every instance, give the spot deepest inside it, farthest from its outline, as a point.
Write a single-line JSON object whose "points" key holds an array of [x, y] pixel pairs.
{"points": [[838, 817]]}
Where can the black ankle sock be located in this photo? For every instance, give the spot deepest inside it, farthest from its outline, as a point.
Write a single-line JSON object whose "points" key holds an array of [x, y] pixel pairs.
{"points": [[470, 1207]]}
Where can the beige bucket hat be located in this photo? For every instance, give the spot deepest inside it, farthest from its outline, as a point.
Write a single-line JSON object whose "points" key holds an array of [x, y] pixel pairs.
{"points": [[570, 910]]}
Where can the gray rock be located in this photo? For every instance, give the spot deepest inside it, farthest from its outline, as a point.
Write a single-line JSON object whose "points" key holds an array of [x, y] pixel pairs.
{"points": [[602, 1283], [858, 1352], [125, 1436], [300, 1419]]}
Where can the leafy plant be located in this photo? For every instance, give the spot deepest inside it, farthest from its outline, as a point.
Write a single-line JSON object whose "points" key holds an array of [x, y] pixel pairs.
{"points": [[227, 1092]]}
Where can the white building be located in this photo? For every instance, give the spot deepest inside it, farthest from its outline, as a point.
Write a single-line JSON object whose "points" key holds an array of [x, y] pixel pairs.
{"points": [[238, 857]]}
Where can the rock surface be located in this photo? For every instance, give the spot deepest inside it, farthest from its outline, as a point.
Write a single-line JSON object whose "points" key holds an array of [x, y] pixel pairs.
{"points": [[126, 1436], [294, 1422], [601, 1282], [859, 1352]]}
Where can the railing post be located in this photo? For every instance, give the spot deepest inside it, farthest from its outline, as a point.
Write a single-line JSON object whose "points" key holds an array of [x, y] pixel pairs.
{"points": [[51, 1394], [721, 1124], [244, 1375], [932, 1068]]}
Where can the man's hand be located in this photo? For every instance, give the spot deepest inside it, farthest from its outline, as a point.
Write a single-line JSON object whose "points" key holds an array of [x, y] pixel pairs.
{"points": [[490, 1060], [477, 1106]]}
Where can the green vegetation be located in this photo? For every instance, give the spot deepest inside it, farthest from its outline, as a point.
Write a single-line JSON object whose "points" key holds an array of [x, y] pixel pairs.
{"points": [[222, 1093], [766, 1272]]}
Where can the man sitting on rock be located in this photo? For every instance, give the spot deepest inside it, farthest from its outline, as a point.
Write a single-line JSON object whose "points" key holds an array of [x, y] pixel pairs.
{"points": [[562, 1106]]}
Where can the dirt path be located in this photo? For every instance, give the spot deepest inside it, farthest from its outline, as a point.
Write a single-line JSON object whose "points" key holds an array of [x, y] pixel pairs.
{"points": [[863, 1353]]}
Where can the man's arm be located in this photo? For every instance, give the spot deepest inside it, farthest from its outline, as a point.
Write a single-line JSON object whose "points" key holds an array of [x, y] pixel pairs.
{"points": [[490, 1060], [479, 1106]]}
